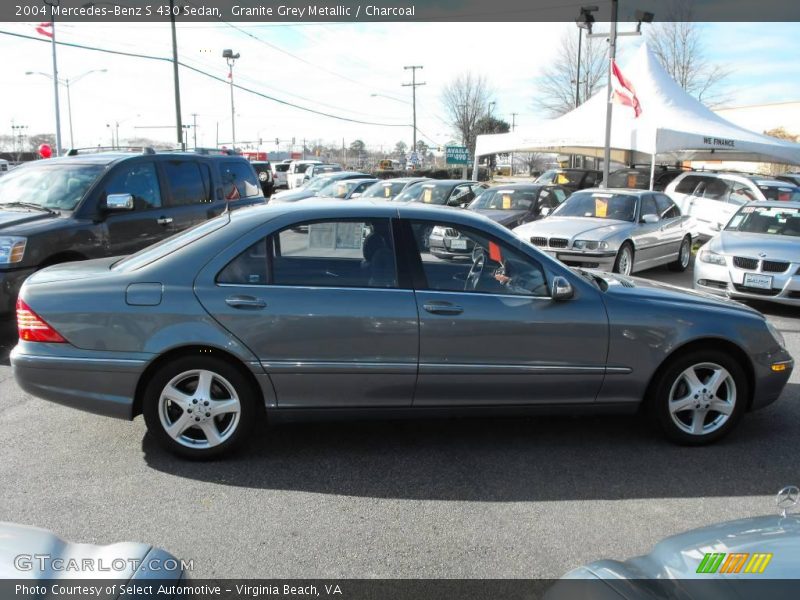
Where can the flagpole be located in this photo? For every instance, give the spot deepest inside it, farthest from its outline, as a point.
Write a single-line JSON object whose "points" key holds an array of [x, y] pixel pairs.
{"points": [[612, 53], [52, 4]]}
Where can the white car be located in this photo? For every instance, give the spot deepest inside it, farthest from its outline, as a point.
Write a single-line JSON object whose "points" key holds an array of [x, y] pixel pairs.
{"points": [[279, 172], [297, 172], [712, 198]]}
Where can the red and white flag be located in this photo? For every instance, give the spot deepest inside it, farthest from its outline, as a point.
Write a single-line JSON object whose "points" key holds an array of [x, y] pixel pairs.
{"points": [[623, 91], [45, 29]]}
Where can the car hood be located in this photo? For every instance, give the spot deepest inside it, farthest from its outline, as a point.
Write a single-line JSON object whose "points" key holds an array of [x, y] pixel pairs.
{"points": [[646, 289], [573, 228], [12, 217], [69, 271], [120, 561], [764, 245], [504, 217]]}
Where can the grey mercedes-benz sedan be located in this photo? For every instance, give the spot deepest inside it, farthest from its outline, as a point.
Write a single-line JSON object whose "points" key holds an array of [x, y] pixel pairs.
{"points": [[317, 308]]}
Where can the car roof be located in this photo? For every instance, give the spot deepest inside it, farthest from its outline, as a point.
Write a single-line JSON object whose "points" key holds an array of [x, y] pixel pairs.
{"points": [[775, 203], [626, 191], [450, 181], [515, 186]]}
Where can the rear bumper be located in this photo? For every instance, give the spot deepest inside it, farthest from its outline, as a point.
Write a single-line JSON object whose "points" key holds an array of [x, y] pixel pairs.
{"points": [[102, 386], [10, 284]]}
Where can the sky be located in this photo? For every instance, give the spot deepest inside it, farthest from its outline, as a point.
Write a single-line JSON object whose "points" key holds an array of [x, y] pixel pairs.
{"points": [[350, 70]]}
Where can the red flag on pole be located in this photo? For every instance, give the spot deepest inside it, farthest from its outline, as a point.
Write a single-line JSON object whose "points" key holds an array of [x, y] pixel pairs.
{"points": [[623, 91], [45, 29]]}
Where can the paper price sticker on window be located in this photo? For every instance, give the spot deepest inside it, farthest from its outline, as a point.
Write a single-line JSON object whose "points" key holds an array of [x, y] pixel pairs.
{"points": [[506, 202], [600, 207], [427, 195], [387, 191], [341, 191]]}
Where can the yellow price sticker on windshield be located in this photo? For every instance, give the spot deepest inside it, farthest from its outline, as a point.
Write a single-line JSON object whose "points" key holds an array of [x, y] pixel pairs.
{"points": [[506, 202], [600, 207], [561, 178], [341, 192], [387, 191], [428, 195]]}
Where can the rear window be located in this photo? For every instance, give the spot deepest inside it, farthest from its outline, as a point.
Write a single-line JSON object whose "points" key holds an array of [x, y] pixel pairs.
{"points": [[783, 193], [282, 168], [171, 244], [239, 180]]}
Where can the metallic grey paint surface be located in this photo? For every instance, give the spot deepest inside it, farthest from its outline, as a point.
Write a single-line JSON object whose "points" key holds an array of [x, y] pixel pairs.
{"points": [[369, 347]]}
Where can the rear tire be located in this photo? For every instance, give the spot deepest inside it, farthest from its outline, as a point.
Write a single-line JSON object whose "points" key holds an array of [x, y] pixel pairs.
{"points": [[699, 397], [200, 407], [684, 256], [624, 261]]}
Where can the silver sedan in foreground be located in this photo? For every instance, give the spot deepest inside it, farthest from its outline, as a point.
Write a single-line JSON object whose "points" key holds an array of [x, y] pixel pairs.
{"points": [[756, 256], [340, 307]]}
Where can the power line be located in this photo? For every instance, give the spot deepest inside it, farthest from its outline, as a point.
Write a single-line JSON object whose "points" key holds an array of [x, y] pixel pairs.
{"points": [[210, 76]]}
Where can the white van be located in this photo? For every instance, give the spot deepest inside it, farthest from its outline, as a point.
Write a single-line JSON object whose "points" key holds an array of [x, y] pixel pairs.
{"points": [[297, 170]]}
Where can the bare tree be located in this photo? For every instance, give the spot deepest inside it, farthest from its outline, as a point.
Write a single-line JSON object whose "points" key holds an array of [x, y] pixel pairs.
{"points": [[677, 41], [466, 101], [555, 92]]}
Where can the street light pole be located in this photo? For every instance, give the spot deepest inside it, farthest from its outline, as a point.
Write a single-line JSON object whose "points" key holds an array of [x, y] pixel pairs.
{"points": [[176, 79], [230, 58], [52, 4]]}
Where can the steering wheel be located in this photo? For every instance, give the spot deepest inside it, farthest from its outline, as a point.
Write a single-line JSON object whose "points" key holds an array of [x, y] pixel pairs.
{"points": [[475, 271]]}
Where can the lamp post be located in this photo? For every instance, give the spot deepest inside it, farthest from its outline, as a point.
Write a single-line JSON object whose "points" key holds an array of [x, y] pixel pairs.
{"points": [[230, 58], [413, 85], [66, 83]]}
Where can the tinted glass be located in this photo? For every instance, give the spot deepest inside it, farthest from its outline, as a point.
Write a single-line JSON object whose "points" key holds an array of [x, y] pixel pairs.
{"points": [[649, 206], [338, 189], [666, 207], [459, 259], [766, 219], [282, 167], [599, 205], [185, 182], [239, 180], [688, 184], [56, 186], [428, 193], [335, 254], [138, 180], [784, 193], [505, 199], [385, 189]]}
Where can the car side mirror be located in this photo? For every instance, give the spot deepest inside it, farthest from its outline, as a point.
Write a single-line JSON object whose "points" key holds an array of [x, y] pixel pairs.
{"points": [[562, 289], [544, 211], [119, 202], [356, 195], [650, 219]]}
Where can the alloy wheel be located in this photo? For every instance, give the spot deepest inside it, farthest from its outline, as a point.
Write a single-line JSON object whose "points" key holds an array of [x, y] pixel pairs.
{"points": [[702, 398]]}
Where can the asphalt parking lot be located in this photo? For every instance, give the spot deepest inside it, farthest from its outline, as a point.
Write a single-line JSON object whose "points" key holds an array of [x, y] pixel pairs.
{"points": [[500, 498]]}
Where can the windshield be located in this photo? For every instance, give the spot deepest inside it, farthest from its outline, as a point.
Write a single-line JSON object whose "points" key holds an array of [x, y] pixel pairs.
{"points": [[598, 205], [783, 193], [319, 169], [773, 220], [171, 244], [57, 186], [505, 199], [559, 176], [338, 189], [429, 193], [384, 189]]}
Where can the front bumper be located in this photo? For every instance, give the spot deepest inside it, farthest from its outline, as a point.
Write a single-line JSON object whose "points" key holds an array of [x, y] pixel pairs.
{"points": [[10, 283], [104, 386], [728, 280], [603, 260]]}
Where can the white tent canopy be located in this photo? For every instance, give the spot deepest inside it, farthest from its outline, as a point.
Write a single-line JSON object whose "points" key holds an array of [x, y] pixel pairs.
{"points": [[672, 126]]}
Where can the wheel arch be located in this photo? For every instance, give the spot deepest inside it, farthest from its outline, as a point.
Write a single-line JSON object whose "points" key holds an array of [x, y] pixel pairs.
{"points": [[709, 343], [188, 350]]}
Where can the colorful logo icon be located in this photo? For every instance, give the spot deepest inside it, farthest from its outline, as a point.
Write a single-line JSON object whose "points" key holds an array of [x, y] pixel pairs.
{"points": [[734, 562]]}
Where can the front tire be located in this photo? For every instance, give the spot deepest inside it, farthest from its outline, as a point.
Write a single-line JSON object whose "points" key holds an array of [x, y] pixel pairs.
{"points": [[624, 261], [200, 407], [684, 256], [699, 397]]}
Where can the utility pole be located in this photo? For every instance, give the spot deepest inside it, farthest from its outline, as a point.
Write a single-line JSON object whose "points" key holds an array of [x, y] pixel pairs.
{"points": [[414, 85], [176, 80], [513, 126], [194, 130]]}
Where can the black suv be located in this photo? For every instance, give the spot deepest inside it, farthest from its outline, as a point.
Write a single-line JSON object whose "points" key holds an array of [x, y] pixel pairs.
{"points": [[105, 204]]}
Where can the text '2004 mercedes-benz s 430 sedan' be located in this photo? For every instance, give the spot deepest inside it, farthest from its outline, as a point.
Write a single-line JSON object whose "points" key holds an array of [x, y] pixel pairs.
{"points": [[329, 307]]}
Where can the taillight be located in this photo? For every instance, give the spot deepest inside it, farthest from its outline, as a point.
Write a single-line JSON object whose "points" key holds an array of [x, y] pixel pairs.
{"points": [[32, 327]]}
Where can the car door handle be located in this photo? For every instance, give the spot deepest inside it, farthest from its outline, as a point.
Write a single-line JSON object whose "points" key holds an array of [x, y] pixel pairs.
{"points": [[442, 308], [164, 220], [245, 302]]}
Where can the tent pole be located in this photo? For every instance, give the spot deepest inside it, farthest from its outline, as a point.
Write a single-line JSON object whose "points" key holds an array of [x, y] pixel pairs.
{"points": [[652, 170]]}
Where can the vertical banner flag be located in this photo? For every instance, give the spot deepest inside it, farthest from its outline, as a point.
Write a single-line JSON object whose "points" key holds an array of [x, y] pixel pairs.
{"points": [[623, 91], [45, 29]]}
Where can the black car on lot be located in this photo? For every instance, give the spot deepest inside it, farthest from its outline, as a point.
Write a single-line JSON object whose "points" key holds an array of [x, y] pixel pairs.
{"points": [[263, 170], [572, 179], [107, 204], [443, 192], [519, 203], [638, 177]]}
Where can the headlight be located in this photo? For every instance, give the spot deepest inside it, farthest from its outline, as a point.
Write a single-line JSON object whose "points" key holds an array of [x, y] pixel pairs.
{"points": [[589, 245], [776, 334], [712, 258], [12, 249]]}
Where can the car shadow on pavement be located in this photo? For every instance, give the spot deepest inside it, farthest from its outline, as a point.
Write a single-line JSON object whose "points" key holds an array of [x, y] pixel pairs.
{"points": [[8, 339], [507, 460]]}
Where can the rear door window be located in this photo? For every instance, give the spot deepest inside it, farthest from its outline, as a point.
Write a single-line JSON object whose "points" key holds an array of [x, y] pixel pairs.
{"points": [[140, 180], [186, 182]]}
